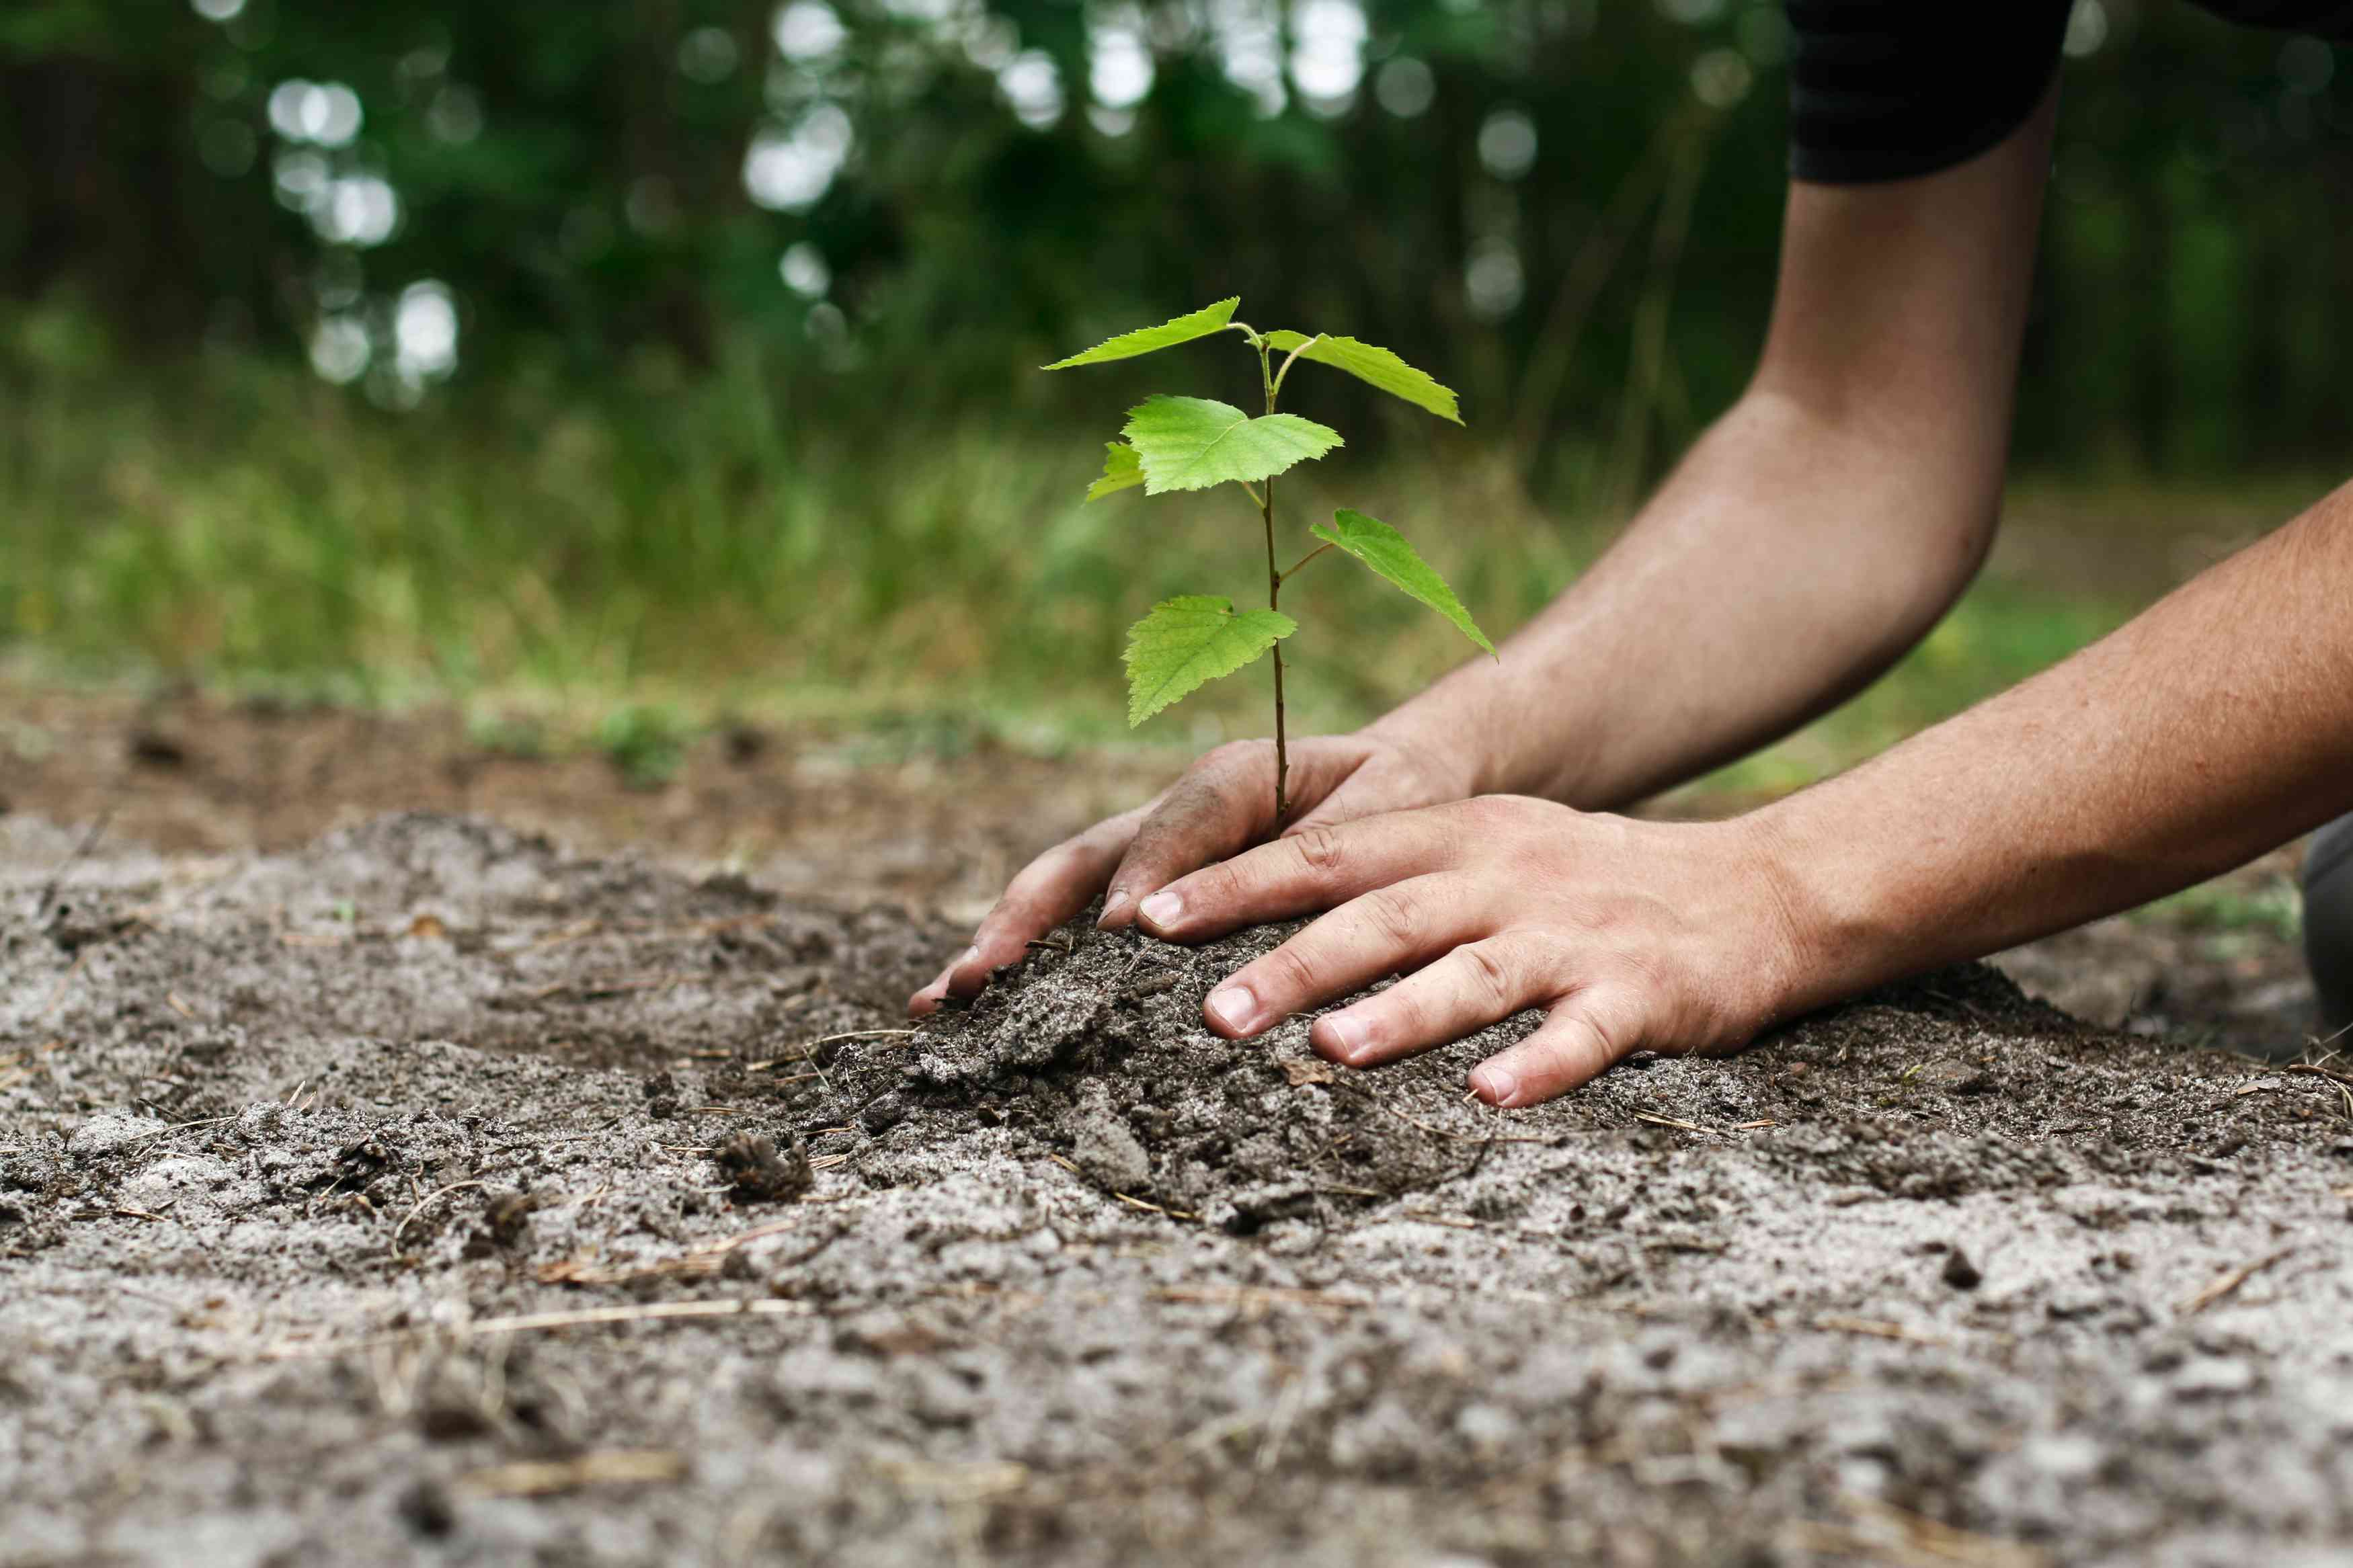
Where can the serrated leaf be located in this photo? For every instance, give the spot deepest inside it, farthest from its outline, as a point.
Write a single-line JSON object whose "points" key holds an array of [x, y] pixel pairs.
{"points": [[1192, 443], [1146, 340], [1384, 549], [1189, 641], [1121, 470], [1377, 366]]}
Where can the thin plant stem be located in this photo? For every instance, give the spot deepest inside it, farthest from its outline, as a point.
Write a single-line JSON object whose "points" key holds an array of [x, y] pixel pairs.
{"points": [[1274, 602], [1287, 364], [1292, 569]]}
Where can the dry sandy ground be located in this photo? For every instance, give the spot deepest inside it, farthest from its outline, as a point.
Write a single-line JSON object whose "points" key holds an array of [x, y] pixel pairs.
{"points": [[420, 1190]]}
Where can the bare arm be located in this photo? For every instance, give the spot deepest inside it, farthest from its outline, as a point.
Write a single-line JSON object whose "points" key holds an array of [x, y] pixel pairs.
{"points": [[2216, 726], [1814, 534]]}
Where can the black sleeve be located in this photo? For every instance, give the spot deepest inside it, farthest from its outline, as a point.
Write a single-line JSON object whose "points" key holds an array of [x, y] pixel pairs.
{"points": [[1886, 89]]}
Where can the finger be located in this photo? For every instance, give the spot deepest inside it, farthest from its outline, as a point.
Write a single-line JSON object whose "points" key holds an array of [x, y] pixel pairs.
{"points": [[1301, 873], [1050, 889], [1402, 926], [1586, 1033], [1465, 991], [1224, 803]]}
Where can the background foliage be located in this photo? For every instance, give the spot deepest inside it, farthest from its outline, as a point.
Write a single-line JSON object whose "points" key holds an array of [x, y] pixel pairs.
{"points": [[661, 338]]}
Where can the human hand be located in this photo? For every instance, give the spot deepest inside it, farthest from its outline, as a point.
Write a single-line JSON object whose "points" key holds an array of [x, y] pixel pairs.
{"points": [[1632, 935], [1222, 805]]}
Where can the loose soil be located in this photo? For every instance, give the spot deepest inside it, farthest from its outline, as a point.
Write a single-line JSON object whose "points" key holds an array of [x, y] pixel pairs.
{"points": [[427, 1193], [421, 1189]]}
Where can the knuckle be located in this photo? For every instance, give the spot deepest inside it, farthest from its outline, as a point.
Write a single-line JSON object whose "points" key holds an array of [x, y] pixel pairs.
{"points": [[1293, 971], [1212, 890], [1491, 974], [1612, 1025], [1233, 757], [1319, 848], [1388, 916]]}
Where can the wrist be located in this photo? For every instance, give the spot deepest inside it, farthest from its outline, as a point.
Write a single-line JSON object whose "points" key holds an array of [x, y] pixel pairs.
{"points": [[1443, 758], [1823, 947], [1444, 745], [1857, 909]]}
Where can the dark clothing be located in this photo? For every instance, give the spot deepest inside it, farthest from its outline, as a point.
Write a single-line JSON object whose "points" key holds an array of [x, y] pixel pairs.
{"points": [[1887, 90], [2328, 926]]}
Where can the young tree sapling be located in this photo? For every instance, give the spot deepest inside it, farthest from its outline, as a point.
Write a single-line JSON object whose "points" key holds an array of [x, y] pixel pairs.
{"points": [[1195, 443]]}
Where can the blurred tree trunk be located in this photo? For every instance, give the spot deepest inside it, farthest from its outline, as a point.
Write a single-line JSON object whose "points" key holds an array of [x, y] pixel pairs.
{"points": [[95, 176]]}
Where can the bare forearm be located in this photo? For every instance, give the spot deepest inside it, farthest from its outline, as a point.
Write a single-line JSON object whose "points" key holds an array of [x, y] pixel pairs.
{"points": [[1819, 527], [2216, 726], [1648, 671]]}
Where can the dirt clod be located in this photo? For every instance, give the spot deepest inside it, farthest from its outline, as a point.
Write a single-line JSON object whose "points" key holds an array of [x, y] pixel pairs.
{"points": [[750, 1160], [1959, 1273]]}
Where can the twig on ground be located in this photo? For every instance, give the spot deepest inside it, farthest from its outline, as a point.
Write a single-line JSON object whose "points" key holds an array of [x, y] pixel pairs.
{"points": [[1422, 1126], [1136, 1203], [176, 1127], [1286, 1411], [1130, 1199], [1257, 1298], [2227, 1284], [968, 1483], [543, 1323], [538, 1478], [1877, 1329], [1674, 1122], [435, 1193], [79, 852], [581, 1271], [58, 997], [1898, 1535], [809, 1047], [591, 989], [699, 1261]]}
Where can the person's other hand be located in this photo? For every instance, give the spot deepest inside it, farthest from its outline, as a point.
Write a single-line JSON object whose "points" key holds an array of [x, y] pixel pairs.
{"points": [[1632, 936], [1222, 805]]}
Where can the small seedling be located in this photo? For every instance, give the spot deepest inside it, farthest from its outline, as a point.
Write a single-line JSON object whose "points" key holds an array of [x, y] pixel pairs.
{"points": [[1195, 443]]}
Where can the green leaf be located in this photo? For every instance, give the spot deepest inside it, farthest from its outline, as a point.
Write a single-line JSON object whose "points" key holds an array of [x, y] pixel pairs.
{"points": [[1189, 641], [1121, 470], [1166, 335], [1192, 443], [1384, 549], [1376, 365]]}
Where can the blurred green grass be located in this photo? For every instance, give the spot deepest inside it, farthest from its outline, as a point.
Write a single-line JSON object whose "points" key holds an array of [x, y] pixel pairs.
{"points": [[717, 548]]}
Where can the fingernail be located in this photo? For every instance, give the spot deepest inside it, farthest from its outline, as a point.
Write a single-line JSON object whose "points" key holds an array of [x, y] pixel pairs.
{"points": [[1162, 908], [1113, 905], [1232, 1006], [1347, 1035], [1498, 1084]]}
